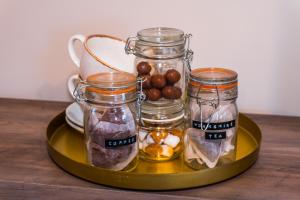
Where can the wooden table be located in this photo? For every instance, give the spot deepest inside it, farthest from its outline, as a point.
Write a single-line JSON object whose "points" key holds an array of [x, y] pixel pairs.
{"points": [[27, 172]]}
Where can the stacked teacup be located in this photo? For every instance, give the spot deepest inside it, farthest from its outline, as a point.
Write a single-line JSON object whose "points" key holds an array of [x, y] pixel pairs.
{"points": [[101, 53]]}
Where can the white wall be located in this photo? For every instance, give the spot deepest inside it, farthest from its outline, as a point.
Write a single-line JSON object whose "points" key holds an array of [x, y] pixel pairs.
{"points": [[257, 38]]}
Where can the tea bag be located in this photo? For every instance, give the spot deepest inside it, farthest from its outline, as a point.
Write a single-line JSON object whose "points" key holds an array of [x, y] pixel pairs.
{"points": [[113, 124], [204, 151], [224, 113]]}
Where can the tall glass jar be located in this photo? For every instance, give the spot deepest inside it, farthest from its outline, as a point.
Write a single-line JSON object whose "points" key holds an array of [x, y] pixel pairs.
{"points": [[110, 126], [162, 59], [212, 117], [161, 133]]}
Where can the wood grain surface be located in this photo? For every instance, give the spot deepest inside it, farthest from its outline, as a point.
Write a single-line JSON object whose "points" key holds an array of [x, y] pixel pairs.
{"points": [[27, 172]]}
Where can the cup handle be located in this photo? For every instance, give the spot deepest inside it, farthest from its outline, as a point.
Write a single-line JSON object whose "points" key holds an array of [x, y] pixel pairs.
{"points": [[72, 84], [71, 48]]}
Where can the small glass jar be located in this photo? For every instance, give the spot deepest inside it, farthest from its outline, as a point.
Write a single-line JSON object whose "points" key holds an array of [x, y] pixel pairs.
{"points": [[110, 126], [212, 117], [162, 59], [161, 133]]}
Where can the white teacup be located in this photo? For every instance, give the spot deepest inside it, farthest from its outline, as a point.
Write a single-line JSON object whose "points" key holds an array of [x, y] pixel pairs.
{"points": [[101, 53]]}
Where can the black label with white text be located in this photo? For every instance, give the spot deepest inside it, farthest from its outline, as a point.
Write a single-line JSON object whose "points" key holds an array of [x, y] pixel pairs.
{"points": [[109, 144], [214, 126], [215, 135]]}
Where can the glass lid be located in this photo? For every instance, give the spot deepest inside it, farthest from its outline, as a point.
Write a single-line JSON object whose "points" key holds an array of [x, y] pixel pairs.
{"points": [[214, 76], [111, 79], [111, 82], [161, 35]]}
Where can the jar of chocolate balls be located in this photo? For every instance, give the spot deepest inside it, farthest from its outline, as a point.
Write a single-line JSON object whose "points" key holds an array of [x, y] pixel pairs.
{"points": [[163, 61], [211, 136], [110, 127], [161, 133]]}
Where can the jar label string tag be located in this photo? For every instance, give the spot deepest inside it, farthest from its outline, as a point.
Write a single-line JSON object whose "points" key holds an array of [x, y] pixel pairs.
{"points": [[212, 103]]}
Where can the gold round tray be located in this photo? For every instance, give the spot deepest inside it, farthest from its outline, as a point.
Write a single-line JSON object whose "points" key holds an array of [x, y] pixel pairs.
{"points": [[66, 148]]}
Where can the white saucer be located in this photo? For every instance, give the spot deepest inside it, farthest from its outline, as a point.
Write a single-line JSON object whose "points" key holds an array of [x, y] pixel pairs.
{"points": [[74, 114], [74, 125]]}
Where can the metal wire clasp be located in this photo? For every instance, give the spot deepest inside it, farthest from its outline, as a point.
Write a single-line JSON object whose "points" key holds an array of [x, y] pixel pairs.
{"points": [[188, 57], [141, 97], [129, 47], [79, 93]]}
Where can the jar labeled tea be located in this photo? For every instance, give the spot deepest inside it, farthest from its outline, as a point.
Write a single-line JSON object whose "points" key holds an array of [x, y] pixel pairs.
{"points": [[162, 60], [161, 133], [110, 120], [212, 117]]}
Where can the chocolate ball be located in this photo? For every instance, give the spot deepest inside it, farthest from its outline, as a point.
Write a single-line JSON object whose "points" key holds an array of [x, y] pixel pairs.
{"points": [[172, 76], [146, 82], [171, 92], [153, 94], [168, 92], [143, 68], [158, 81], [177, 93]]}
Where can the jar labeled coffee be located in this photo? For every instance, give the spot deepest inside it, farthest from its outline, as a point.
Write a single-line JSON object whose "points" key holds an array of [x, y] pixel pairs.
{"points": [[213, 114], [161, 133], [110, 126], [162, 60]]}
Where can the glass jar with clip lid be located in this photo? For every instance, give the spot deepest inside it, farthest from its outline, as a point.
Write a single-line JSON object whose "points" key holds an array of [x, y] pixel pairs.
{"points": [[212, 117], [110, 104], [161, 132], [162, 58], [162, 61]]}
